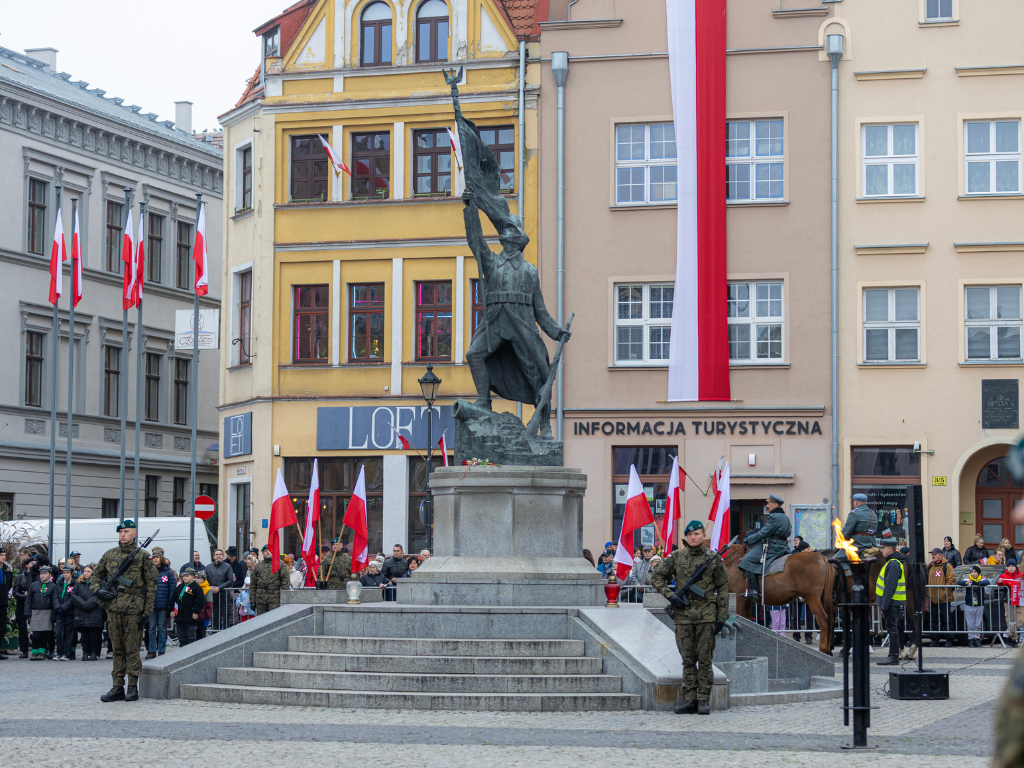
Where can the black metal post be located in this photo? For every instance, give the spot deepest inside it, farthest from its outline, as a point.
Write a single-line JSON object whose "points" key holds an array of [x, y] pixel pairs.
{"points": [[430, 467], [856, 640]]}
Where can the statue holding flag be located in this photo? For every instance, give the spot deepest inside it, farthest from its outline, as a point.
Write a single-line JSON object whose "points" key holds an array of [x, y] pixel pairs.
{"points": [[507, 356]]}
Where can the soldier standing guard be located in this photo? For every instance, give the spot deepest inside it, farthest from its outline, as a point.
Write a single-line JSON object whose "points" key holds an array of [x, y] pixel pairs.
{"points": [[134, 599], [776, 532], [265, 584], [860, 526], [699, 622], [336, 567]]}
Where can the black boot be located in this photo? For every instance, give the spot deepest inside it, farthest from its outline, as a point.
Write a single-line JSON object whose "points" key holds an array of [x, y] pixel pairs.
{"points": [[888, 661], [132, 694], [703, 707], [151, 655], [114, 694], [688, 707], [753, 587]]}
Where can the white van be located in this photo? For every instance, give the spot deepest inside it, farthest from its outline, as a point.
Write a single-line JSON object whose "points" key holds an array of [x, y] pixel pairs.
{"points": [[92, 537]]}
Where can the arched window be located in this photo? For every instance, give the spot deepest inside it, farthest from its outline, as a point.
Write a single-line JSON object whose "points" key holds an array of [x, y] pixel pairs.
{"points": [[376, 30], [432, 31]]}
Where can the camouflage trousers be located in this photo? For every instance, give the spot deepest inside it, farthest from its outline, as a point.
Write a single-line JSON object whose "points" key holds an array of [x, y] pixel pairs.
{"points": [[262, 608], [125, 637], [696, 643], [1009, 750]]}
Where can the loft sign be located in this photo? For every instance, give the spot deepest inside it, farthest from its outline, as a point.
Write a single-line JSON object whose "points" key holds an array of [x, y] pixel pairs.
{"points": [[662, 428], [369, 427]]}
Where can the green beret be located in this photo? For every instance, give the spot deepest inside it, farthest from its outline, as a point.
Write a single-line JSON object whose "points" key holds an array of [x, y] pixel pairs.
{"points": [[693, 525], [335, 540], [265, 548], [126, 524], [189, 572]]}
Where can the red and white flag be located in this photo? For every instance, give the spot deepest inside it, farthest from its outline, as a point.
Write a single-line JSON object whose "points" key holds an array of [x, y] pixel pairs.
{"points": [[453, 137], [719, 515], [76, 263], [58, 255], [402, 440], [676, 484], [128, 257], [199, 255], [309, 547], [140, 260], [334, 157], [699, 353], [442, 446], [637, 515], [282, 514], [355, 519]]}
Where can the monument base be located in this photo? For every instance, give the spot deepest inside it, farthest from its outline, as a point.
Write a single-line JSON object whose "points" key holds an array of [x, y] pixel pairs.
{"points": [[500, 438], [528, 521]]}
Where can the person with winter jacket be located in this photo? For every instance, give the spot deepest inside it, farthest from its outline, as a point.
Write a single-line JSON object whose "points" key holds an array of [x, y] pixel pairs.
{"points": [[6, 585], [22, 582], [974, 605], [165, 584], [951, 553], [1014, 610], [64, 617], [940, 575], [977, 553], [246, 610], [206, 609], [220, 577], [40, 604], [88, 616], [372, 579], [188, 604]]}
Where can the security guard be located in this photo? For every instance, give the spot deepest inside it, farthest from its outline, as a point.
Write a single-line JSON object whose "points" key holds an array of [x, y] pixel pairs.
{"points": [[775, 531], [891, 596], [860, 526], [266, 584], [699, 622], [134, 600], [336, 567]]}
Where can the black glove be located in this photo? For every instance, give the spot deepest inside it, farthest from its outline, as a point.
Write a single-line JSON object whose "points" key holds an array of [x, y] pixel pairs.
{"points": [[144, 621], [718, 626], [677, 602], [106, 594]]}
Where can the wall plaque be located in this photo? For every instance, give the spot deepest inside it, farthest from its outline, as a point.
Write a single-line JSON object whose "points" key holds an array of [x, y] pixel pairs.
{"points": [[1000, 404]]}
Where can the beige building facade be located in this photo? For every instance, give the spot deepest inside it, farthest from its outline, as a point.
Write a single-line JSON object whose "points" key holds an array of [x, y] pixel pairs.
{"points": [[931, 236], [620, 256]]}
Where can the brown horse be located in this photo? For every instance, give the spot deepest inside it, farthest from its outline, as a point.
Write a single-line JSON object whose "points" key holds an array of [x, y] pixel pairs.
{"points": [[807, 575]]}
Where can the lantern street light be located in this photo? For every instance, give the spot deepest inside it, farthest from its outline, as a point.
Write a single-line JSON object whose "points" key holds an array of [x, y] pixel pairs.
{"points": [[429, 386]]}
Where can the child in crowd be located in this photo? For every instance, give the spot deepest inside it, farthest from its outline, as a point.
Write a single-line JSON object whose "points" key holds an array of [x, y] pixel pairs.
{"points": [[188, 603], [974, 605], [40, 605], [1014, 610]]}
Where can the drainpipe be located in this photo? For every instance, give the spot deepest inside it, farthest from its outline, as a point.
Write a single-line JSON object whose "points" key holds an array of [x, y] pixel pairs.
{"points": [[522, 151], [834, 49], [560, 69]]}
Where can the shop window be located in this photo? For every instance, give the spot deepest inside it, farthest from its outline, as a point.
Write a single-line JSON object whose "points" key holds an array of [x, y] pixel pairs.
{"points": [[890, 476], [310, 334], [375, 26], [653, 465], [366, 322], [434, 320]]}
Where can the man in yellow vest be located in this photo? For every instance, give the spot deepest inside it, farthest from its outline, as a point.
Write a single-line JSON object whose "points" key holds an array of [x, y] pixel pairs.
{"points": [[891, 596]]}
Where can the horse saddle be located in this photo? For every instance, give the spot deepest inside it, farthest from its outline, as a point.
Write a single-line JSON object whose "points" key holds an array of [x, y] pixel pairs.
{"points": [[778, 565]]}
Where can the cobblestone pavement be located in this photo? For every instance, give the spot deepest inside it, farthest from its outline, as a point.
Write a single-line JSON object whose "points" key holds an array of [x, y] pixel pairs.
{"points": [[956, 732]]}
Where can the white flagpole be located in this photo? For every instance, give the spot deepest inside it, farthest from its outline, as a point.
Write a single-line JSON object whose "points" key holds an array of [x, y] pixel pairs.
{"points": [[123, 394], [71, 389], [138, 361], [53, 393], [195, 387]]}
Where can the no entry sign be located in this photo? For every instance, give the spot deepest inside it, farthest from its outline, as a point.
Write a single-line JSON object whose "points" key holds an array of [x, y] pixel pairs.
{"points": [[204, 507]]}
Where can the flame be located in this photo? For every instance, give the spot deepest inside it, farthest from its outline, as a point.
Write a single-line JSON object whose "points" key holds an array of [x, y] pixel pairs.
{"points": [[844, 543]]}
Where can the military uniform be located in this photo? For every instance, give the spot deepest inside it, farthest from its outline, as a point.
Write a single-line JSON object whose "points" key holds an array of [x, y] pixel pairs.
{"points": [[775, 531], [336, 568], [860, 526], [124, 611], [1009, 752], [695, 624], [265, 586]]}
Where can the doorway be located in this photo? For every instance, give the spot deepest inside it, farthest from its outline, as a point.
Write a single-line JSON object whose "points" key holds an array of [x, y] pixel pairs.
{"points": [[996, 494], [242, 517]]}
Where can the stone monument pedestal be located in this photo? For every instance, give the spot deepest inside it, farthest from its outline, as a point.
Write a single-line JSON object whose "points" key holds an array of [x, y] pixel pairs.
{"points": [[506, 536]]}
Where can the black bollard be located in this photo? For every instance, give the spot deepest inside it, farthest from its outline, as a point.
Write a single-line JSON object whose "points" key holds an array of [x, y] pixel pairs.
{"points": [[858, 636]]}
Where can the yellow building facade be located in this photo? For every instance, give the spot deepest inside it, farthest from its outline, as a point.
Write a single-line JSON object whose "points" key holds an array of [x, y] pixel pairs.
{"points": [[342, 287]]}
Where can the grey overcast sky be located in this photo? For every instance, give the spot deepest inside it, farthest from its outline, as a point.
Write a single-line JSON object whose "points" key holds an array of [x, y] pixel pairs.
{"points": [[148, 53]]}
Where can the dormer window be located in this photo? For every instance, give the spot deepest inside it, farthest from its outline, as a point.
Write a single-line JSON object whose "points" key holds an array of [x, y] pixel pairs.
{"points": [[272, 42], [432, 31], [376, 35]]}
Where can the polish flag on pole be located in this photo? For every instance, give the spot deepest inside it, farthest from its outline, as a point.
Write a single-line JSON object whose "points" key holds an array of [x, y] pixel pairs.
{"points": [[401, 438], [128, 257], [58, 255], [334, 157], [355, 519], [698, 366], [76, 263], [676, 484], [443, 447], [637, 515], [719, 515], [309, 549], [282, 514], [199, 254], [140, 260]]}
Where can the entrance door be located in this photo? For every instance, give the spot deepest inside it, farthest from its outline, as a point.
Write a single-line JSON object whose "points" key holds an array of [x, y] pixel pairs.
{"points": [[243, 517], [995, 498]]}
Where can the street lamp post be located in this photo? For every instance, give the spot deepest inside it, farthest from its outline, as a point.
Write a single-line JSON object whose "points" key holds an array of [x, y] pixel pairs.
{"points": [[429, 385]]}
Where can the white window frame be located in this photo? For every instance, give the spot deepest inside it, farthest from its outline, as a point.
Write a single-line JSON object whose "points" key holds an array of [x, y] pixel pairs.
{"points": [[992, 157], [992, 324], [890, 160], [646, 166], [754, 161], [938, 5], [890, 324], [755, 321], [645, 322]]}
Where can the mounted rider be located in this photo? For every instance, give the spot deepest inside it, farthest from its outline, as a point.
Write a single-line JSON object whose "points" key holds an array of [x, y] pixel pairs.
{"points": [[861, 526], [775, 532]]}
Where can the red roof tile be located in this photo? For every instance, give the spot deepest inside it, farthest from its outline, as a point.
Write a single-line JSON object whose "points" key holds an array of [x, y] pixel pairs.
{"points": [[523, 15]]}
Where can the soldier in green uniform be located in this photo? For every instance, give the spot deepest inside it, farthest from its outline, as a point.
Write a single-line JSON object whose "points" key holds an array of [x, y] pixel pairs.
{"points": [[775, 531], [265, 585], [134, 600], [336, 568], [860, 526], [699, 622]]}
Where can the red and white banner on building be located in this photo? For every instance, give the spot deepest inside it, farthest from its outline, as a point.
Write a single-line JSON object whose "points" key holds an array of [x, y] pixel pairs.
{"points": [[699, 350]]}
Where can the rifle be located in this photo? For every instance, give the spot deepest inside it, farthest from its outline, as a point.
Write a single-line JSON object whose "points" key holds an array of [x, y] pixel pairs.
{"points": [[116, 582], [691, 583], [544, 395]]}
